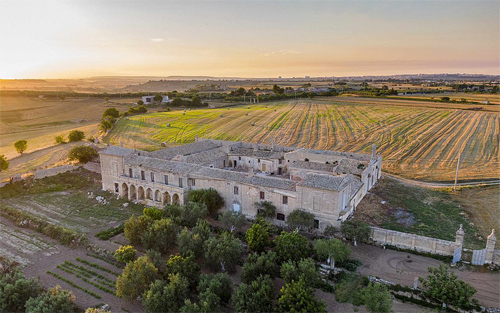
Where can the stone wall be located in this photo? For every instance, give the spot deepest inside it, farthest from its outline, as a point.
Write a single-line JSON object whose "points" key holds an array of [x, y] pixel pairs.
{"points": [[54, 171], [413, 242], [93, 167]]}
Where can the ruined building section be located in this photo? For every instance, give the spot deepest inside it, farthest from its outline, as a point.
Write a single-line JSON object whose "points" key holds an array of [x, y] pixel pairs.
{"points": [[327, 184]]}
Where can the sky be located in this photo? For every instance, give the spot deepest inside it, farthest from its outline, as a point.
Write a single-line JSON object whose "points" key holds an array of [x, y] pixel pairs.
{"points": [[83, 38]]}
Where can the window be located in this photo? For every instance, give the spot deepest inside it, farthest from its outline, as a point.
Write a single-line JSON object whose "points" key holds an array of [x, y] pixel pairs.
{"points": [[239, 158], [180, 182], [152, 177], [130, 173], [117, 190], [280, 217], [143, 175], [262, 195], [193, 182], [316, 224], [280, 161], [285, 199], [166, 179], [236, 190], [258, 160]]}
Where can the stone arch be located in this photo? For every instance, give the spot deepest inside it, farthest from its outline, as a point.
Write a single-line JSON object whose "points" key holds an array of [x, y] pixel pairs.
{"points": [[166, 198], [140, 193], [176, 199], [157, 196], [133, 193], [149, 194], [124, 193]]}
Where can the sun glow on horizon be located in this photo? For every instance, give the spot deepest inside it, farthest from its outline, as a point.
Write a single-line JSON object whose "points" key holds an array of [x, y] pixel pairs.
{"points": [[74, 39]]}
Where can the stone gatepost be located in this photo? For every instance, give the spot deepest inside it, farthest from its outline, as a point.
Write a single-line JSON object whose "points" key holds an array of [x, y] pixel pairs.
{"points": [[459, 236], [490, 247]]}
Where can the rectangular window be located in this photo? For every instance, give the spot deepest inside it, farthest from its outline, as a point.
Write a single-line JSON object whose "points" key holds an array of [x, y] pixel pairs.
{"points": [[258, 160], [236, 190], [285, 199], [280, 161], [166, 179], [130, 173], [152, 177], [193, 182], [180, 182], [262, 195], [143, 175], [280, 217], [239, 158], [316, 224], [117, 190]]}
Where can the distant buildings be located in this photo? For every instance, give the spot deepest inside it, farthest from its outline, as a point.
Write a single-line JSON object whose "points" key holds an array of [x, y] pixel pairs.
{"points": [[148, 99]]}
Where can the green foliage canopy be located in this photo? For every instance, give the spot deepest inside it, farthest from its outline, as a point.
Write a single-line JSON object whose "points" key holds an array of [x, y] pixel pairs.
{"points": [[21, 146], [82, 154], [136, 278]]}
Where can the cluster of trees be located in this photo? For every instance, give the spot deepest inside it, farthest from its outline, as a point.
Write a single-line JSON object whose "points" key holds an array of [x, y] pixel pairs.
{"points": [[82, 154], [4, 164], [109, 118], [195, 102], [139, 109], [73, 136]]}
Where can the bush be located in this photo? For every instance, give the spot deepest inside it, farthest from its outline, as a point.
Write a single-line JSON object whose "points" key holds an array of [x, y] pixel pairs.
{"points": [[60, 139], [21, 146], [209, 197], [76, 135], [83, 154], [256, 265], [125, 254], [291, 246], [111, 232], [111, 112]]}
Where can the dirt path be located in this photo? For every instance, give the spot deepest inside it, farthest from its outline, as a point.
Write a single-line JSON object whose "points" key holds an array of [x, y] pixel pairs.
{"points": [[396, 267]]}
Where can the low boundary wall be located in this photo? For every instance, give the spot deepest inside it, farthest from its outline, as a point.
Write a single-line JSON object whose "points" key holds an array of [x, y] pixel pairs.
{"points": [[412, 241], [54, 171]]}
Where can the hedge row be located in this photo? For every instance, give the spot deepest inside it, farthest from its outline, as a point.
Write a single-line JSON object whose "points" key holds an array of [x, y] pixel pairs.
{"points": [[65, 236], [87, 272], [104, 269], [111, 232], [74, 285]]}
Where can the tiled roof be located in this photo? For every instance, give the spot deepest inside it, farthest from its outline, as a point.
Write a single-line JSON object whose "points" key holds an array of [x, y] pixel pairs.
{"points": [[117, 151], [315, 166], [188, 149], [327, 182], [263, 154], [351, 166], [206, 157], [360, 157]]}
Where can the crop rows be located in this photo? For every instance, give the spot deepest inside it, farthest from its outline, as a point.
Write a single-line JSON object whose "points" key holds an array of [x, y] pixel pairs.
{"points": [[415, 141]]}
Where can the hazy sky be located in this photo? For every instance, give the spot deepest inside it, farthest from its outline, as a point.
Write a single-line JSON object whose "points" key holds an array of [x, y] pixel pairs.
{"points": [[51, 39]]}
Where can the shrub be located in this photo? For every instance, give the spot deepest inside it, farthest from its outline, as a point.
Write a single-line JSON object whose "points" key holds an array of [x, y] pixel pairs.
{"points": [[125, 254], [209, 197], [76, 135], [291, 246], [21, 146], [83, 154], [60, 139], [256, 265]]}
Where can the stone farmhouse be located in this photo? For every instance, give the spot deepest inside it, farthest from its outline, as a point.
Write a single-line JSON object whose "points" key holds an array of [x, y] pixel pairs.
{"points": [[328, 184]]}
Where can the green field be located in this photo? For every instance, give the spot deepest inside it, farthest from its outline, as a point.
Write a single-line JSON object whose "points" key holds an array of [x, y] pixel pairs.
{"points": [[418, 140]]}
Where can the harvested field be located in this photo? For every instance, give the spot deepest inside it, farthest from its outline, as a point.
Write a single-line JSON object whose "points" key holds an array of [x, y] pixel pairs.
{"points": [[418, 140]]}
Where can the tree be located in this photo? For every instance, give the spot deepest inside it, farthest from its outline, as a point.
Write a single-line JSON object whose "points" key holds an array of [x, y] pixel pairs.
{"points": [[54, 300], [157, 98], [140, 102], [377, 298], [265, 209], [21, 146], [209, 197], [196, 102], [106, 99], [184, 266], [82, 154], [76, 135], [291, 246], [136, 278], [191, 212], [194, 241], [256, 265], [153, 213], [60, 139], [161, 235], [232, 220], [301, 220], [166, 295], [348, 290], [125, 254], [111, 112], [4, 164], [223, 252], [356, 231], [297, 297], [443, 286], [134, 227], [258, 236], [331, 249], [256, 296], [107, 122], [219, 284], [96, 310], [304, 270], [15, 289]]}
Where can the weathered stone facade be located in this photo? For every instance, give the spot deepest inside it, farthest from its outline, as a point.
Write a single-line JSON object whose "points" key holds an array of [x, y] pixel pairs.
{"points": [[326, 183]]}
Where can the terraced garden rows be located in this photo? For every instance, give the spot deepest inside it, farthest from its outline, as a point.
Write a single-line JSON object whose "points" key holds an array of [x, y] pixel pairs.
{"points": [[416, 141]]}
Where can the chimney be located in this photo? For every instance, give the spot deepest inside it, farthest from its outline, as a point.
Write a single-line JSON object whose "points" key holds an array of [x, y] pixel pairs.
{"points": [[374, 151]]}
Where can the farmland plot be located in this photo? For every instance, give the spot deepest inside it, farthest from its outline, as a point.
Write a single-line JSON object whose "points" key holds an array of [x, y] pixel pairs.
{"points": [[415, 140]]}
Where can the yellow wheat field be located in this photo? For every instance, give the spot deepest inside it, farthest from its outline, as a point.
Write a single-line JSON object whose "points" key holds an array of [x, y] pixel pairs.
{"points": [[415, 140]]}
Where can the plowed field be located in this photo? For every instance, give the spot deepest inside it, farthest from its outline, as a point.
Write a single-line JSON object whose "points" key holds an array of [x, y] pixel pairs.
{"points": [[416, 140]]}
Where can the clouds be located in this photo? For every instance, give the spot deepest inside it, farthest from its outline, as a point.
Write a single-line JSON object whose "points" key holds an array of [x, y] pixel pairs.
{"points": [[157, 39]]}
